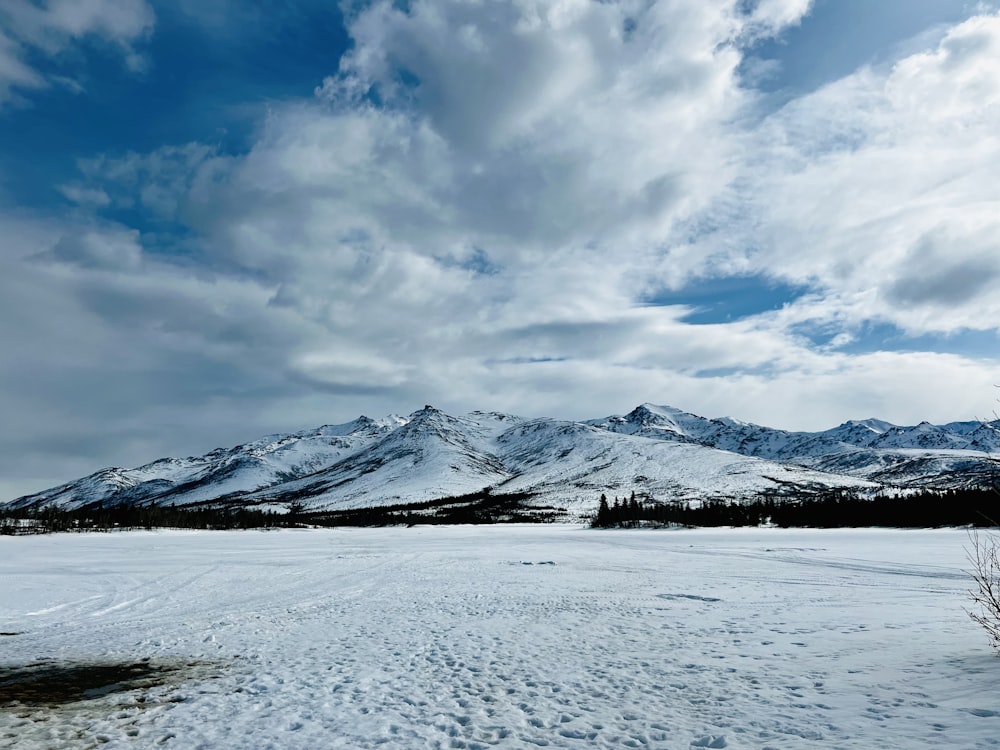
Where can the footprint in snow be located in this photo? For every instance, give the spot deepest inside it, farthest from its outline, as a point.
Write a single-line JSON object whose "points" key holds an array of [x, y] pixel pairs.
{"points": [[692, 597], [712, 741], [982, 712]]}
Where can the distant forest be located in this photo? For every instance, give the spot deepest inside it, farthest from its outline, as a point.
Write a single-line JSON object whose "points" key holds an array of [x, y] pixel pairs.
{"points": [[923, 509], [481, 507]]}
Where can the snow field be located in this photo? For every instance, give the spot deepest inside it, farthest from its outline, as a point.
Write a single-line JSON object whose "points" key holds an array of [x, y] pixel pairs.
{"points": [[505, 636]]}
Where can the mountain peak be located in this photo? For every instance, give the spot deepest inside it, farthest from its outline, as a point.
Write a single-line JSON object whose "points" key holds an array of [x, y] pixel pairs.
{"points": [[671, 417], [427, 411], [649, 408], [873, 425], [653, 413], [430, 455]]}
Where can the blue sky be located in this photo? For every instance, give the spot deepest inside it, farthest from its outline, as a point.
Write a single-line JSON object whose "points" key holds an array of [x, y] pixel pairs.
{"points": [[207, 78], [221, 221], [839, 36]]}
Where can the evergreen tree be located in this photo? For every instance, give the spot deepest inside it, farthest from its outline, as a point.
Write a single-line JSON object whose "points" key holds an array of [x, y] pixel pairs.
{"points": [[603, 519]]}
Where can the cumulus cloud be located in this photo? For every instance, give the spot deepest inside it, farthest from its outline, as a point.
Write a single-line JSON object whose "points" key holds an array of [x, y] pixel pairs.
{"points": [[768, 17], [475, 208], [879, 190], [108, 350], [422, 161], [947, 271], [52, 27], [112, 250], [542, 149]]}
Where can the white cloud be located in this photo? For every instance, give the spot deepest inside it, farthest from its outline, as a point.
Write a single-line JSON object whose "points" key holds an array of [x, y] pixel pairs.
{"points": [[776, 15], [113, 249], [14, 73], [85, 196], [54, 26], [48, 25], [157, 180], [368, 215], [879, 190], [542, 148], [471, 210], [114, 357]]}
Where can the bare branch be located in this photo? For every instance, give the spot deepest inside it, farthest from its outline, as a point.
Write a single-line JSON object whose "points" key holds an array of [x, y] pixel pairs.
{"points": [[984, 557]]}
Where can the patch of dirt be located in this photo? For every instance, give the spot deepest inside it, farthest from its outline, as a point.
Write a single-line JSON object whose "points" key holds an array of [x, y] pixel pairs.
{"points": [[49, 683]]}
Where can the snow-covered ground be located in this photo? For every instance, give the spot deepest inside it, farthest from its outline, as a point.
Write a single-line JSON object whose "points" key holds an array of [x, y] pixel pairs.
{"points": [[474, 637]]}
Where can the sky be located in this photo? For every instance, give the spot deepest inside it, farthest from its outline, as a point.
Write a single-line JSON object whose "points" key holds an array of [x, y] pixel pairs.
{"points": [[220, 219]]}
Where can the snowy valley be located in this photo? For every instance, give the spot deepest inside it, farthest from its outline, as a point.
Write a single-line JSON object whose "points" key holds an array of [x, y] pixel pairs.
{"points": [[501, 636]]}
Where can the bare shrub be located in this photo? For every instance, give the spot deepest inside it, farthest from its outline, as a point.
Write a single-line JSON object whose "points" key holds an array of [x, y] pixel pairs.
{"points": [[984, 557]]}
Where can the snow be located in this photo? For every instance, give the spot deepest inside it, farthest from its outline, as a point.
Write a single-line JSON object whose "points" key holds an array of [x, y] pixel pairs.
{"points": [[564, 464], [264, 462], [432, 456], [656, 451], [505, 636], [571, 464]]}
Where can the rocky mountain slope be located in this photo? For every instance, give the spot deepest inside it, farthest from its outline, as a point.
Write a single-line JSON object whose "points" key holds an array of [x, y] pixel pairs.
{"points": [[957, 454], [655, 451]]}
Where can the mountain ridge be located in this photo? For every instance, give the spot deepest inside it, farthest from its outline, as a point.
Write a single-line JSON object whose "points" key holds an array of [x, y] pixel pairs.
{"points": [[660, 452]]}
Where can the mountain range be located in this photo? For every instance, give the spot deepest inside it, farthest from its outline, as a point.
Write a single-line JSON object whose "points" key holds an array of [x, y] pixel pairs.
{"points": [[658, 452]]}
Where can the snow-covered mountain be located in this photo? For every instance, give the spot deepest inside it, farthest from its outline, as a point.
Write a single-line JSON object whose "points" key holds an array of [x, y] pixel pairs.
{"points": [[570, 464], [957, 454], [430, 456], [656, 451], [271, 460]]}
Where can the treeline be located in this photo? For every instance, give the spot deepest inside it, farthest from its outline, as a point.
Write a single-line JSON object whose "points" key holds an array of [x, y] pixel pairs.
{"points": [[475, 508], [923, 509], [481, 507], [98, 518]]}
